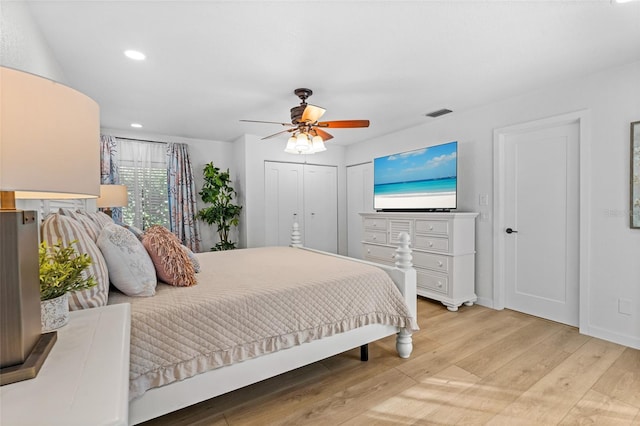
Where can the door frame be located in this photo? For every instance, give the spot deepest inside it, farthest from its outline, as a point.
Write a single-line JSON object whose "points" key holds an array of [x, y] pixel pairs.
{"points": [[582, 118]]}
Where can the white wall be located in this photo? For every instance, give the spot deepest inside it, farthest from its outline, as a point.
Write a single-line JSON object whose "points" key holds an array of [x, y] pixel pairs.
{"points": [[201, 152], [22, 46], [613, 101]]}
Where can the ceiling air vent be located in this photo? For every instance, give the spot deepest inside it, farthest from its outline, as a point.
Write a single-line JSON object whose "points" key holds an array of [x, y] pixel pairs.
{"points": [[438, 113]]}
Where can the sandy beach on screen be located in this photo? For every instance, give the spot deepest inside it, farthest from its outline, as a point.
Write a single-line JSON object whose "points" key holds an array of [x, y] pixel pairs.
{"points": [[441, 200]]}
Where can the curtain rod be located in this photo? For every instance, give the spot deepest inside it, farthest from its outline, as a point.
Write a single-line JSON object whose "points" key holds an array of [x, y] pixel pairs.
{"points": [[142, 140]]}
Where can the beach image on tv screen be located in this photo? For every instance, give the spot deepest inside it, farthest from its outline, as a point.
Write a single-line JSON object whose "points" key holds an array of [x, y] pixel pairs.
{"points": [[420, 179]]}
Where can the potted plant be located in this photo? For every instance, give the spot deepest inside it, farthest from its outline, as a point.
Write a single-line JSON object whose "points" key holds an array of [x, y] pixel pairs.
{"points": [[61, 271], [218, 192]]}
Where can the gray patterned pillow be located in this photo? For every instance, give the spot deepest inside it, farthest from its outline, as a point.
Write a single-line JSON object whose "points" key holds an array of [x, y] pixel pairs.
{"points": [[130, 268]]}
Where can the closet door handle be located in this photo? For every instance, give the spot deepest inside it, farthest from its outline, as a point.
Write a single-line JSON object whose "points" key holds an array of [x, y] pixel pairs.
{"points": [[510, 231]]}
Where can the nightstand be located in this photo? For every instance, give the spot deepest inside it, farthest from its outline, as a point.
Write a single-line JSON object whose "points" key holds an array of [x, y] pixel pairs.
{"points": [[85, 378]]}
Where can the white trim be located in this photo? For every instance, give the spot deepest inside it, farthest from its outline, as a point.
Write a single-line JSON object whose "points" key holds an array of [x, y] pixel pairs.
{"points": [[583, 118]]}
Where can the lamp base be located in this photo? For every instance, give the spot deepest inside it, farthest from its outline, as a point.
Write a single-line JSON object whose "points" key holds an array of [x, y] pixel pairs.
{"points": [[31, 366]]}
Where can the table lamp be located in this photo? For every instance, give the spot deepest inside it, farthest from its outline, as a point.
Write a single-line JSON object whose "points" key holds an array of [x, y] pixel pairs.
{"points": [[112, 196], [49, 149]]}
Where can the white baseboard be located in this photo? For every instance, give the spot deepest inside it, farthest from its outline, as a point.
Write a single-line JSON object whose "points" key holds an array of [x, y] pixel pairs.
{"points": [[611, 336], [485, 301]]}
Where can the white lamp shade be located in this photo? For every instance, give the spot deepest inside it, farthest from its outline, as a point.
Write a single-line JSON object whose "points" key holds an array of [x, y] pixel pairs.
{"points": [[49, 138], [291, 146], [302, 143], [112, 196], [317, 144]]}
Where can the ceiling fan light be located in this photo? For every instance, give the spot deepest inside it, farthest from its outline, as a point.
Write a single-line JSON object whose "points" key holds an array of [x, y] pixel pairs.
{"points": [[317, 144], [291, 146], [302, 143]]}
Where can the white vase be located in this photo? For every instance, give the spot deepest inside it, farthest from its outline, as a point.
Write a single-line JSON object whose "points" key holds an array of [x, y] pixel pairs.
{"points": [[54, 313]]}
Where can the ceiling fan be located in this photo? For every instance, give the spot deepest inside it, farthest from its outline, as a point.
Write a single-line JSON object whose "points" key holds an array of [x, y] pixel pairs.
{"points": [[307, 132]]}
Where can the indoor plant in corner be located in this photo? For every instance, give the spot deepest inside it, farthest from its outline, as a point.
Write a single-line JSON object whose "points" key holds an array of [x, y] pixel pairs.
{"points": [[218, 192], [61, 271]]}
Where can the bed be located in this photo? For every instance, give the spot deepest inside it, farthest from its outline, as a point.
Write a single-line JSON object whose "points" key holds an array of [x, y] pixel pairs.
{"points": [[253, 314], [158, 387]]}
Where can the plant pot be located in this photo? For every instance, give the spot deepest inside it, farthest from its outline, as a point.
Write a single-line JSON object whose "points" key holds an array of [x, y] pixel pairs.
{"points": [[54, 313]]}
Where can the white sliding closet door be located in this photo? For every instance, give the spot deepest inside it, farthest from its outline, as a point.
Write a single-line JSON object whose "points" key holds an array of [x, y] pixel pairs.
{"points": [[307, 194], [321, 207], [283, 201]]}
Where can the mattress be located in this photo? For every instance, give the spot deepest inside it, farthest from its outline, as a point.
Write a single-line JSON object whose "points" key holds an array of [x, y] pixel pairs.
{"points": [[251, 302]]}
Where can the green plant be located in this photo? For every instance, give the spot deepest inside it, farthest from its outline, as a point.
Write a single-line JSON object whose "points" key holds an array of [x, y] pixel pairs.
{"points": [[217, 190], [61, 270]]}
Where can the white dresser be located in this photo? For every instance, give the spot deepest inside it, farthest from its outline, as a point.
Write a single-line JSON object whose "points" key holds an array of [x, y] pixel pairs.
{"points": [[443, 251], [84, 380]]}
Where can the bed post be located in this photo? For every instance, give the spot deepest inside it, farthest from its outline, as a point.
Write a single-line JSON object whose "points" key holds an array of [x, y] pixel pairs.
{"points": [[295, 235], [404, 341]]}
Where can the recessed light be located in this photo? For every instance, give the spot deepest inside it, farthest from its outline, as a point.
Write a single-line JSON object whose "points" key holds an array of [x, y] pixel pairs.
{"points": [[134, 54], [136, 125]]}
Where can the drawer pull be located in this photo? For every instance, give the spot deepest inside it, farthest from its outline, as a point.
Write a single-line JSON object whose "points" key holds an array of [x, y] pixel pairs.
{"points": [[440, 263], [368, 251], [430, 243], [439, 285], [430, 227], [374, 238]]}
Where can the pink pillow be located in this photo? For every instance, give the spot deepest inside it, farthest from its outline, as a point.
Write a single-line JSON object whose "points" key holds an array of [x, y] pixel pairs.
{"points": [[172, 264]]}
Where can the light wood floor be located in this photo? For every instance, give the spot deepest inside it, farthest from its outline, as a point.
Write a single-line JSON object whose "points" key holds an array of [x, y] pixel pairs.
{"points": [[476, 366]]}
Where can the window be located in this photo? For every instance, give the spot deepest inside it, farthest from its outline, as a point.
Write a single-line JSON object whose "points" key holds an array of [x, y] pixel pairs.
{"points": [[142, 166]]}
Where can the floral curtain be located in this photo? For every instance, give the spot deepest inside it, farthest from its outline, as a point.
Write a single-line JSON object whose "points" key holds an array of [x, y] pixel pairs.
{"points": [[109, 168], [182, 196]]}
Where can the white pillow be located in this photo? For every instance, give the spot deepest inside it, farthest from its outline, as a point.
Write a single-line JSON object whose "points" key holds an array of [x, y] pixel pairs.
{"points": [[130, 267]]}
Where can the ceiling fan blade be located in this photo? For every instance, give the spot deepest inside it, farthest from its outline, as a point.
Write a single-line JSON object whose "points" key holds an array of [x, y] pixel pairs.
{"points": [[279, 133], [324, 135], [268, 122], [344, 124], [312, 114]]}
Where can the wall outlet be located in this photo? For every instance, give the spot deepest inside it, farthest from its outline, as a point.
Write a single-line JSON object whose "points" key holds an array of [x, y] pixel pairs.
{"points": [[625, 306]]}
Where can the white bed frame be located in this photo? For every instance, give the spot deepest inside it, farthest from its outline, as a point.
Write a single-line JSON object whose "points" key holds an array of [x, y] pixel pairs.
{"points": [[159, 401]]}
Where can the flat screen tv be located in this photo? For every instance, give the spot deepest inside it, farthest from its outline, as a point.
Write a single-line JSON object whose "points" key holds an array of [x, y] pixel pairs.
{"points": [[422, 180]]}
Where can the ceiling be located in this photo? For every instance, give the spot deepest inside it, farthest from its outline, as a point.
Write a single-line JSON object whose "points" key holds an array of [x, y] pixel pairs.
{"points": [[211, 63]]}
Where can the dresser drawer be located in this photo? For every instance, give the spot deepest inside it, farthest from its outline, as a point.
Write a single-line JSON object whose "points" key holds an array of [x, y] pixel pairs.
{"points": [[431, 281], [431, 261], [396, 227], [375, 223], [375, 236], [432, 226], [431, 243], [385, 254]]}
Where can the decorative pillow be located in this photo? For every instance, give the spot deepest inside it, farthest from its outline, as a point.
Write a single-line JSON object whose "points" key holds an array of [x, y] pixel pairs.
{"points": [[172, 263], [57, 227], [135, 231], [192, 258], [130, 267], [99, 218], [92, 229]]}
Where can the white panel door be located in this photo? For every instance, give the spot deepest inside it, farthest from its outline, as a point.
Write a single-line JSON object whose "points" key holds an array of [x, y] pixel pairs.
{"points": [[359, 200], [283, 201], [321, 207], [542, 223]]}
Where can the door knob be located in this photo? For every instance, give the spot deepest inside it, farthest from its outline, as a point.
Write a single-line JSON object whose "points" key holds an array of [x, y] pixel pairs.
{"points": [[511, 231]]}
